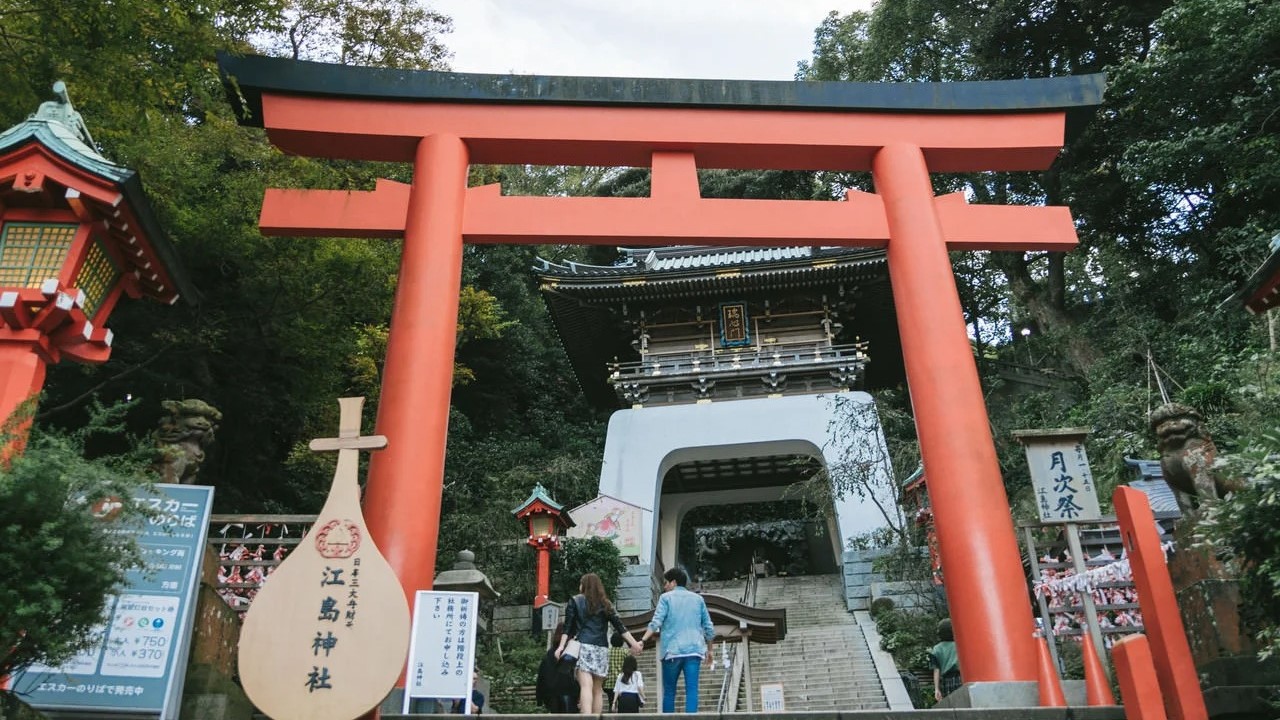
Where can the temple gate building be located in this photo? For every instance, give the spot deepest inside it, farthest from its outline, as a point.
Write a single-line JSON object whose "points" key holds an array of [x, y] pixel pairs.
{"points": [[735, 370]]}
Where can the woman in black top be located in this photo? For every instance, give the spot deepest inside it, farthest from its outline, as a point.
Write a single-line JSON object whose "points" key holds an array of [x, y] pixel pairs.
{"points": [[587, 618], [557, 689]]}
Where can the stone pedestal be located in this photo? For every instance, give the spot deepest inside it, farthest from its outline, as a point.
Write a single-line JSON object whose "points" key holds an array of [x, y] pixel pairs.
{"points": [[1236, 684], [993, 695], [211, 691], [1209, 598]]}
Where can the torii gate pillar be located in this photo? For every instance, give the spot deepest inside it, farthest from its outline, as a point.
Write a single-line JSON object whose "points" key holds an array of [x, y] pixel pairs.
{"points": [[901, 133], [980, 550], [418, 373]]}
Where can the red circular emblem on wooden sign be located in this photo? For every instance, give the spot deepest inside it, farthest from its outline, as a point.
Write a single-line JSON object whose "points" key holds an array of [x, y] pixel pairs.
{"points": [[338, 539]]}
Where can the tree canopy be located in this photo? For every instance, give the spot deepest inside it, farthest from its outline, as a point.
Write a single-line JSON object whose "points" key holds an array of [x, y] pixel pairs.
{"points": [[1173, 183]]}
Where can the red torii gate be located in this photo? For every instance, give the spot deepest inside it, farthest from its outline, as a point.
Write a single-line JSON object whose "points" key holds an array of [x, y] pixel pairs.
{"points": [[442, 122]]}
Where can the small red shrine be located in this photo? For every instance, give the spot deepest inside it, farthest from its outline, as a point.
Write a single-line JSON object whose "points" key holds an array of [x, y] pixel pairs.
{"points": [[547, 521], [76, 233]]}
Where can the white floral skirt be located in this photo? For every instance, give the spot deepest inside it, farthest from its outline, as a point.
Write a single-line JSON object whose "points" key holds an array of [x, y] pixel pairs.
{"points": [[594, 659]]}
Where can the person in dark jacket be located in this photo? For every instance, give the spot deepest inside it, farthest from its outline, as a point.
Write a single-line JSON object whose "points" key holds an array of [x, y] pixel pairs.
{"points": [[587, 618], [557, 688]]}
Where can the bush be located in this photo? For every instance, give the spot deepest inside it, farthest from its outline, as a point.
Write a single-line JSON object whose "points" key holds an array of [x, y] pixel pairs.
{"points": [[580, 556], [908, 636], [60, 562], [1244, 527], [509, 667]]}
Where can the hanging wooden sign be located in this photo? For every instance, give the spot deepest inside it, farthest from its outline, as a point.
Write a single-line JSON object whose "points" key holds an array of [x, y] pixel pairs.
{"points": [[328, 634]]}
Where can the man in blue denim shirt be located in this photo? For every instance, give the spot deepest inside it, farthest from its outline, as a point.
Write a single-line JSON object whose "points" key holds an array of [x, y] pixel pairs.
{"points": [[687, 634]]}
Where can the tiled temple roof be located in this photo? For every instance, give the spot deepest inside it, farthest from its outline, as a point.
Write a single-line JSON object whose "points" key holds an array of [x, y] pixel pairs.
{"points": [[583, 299], [58, 128]]}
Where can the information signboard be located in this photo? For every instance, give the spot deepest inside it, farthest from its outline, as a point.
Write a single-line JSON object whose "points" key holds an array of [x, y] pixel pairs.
{"points": [[771, 700], [139, 663], [442, 646], [1060, 474], [611, 519]]}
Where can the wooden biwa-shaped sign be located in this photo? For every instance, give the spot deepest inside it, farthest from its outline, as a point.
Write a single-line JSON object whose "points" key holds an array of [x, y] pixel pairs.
{"points": [[327, 636]]}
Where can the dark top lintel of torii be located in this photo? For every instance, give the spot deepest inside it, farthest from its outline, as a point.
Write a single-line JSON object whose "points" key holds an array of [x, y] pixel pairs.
{"points": [[249, 77]]}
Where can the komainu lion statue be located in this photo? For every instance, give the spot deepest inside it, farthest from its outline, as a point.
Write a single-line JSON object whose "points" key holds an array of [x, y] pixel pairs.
{"points": [[1187, 454], [185, 431]]}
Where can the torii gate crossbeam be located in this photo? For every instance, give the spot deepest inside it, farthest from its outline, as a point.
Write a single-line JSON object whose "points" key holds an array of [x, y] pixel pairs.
{"points": [[442, 122]]}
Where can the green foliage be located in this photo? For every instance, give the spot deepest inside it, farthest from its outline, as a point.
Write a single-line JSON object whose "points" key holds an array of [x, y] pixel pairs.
{"points": [[1244, 526], [908, 637], [381, 33], [580, 556], [510, 664], [59, 561]]}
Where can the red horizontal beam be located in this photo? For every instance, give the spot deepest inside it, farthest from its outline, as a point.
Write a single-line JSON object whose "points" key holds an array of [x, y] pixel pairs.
{"points": [[379, 213], [493, 218], [774, 139]]}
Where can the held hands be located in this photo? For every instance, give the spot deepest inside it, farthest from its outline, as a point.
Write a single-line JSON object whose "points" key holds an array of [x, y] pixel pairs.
{"points": [[636, 648]]}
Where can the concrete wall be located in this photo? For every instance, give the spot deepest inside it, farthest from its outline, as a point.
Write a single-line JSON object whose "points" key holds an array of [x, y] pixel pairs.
{"points": [[513, 619], [644, 443], [916, 596], [635, 591], [858, 576]]}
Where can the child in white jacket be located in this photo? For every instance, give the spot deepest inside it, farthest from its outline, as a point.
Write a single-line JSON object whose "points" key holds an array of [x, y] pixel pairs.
{"points": [[628, 689]]}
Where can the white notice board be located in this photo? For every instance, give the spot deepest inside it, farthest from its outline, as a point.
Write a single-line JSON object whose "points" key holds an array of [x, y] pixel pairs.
{"points": [[442, 646], [771, 698]]}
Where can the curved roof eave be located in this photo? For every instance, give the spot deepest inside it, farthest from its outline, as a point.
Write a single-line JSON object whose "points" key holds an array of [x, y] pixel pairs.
{"points": [[248, 77], [708, 264], [69, 149], [73, 151]]}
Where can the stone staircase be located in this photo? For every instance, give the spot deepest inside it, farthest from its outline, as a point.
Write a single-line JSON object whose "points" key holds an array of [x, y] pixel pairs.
{"points": [[712, 677], [824, 663]]}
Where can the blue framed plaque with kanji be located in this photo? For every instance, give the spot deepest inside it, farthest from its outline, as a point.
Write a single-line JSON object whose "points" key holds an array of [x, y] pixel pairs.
{"points": [[735, 324]]}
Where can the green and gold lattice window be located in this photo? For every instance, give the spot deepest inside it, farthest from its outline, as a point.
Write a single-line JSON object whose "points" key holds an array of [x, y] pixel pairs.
{"points": [[97, 276], [31, 253]]}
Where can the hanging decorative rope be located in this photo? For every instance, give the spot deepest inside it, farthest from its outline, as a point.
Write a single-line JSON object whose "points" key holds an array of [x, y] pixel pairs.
{"points": [[1118, 571]]}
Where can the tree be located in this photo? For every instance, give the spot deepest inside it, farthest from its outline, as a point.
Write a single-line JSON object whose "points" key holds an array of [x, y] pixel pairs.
{"points": [[378, 33], [65, 544], [587, 555]]}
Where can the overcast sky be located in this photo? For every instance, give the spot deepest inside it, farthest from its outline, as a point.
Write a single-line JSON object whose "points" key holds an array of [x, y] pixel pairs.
{"points": [[717, 39]]}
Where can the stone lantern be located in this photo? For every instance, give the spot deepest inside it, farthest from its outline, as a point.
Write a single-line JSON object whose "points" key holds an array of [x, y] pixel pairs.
{"points": [[547, 520], [76, 234], [466, 577]]}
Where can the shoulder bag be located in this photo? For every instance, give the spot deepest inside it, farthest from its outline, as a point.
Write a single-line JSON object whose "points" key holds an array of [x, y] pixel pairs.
{"points": [[573, 648]]}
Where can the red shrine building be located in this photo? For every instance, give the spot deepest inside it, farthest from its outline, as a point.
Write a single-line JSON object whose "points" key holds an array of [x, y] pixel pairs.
{"points": [[737, 372], [77, 233]]}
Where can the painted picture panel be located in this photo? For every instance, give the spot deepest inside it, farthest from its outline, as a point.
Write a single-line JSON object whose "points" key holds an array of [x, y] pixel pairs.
{"points": [[611, 519]]}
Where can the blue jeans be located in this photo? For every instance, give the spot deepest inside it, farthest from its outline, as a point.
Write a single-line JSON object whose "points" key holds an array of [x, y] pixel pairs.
{"points": [[671, 670]]}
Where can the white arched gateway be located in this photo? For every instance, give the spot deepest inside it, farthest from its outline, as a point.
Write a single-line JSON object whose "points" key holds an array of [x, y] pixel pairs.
{"points": [[645, 444]]}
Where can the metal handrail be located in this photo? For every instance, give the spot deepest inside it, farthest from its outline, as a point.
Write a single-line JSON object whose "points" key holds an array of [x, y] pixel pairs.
{"points": [[728, 700]]}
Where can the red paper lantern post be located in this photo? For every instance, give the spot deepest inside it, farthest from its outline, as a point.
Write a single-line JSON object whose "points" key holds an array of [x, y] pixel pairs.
{"points": [[547, 521]]}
